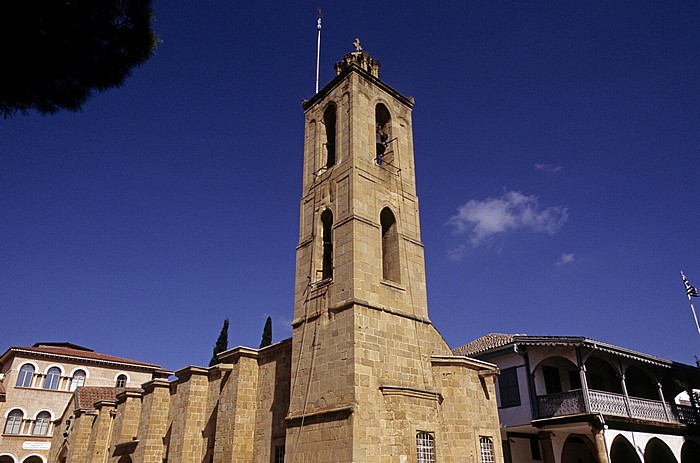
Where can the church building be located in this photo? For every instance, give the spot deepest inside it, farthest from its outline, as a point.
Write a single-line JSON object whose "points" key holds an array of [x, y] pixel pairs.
{"points": [[365, 377]]}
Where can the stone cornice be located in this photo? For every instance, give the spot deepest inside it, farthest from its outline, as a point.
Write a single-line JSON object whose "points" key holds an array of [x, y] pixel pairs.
{"points": [[485, 367], [330, 414], [412, 392]]}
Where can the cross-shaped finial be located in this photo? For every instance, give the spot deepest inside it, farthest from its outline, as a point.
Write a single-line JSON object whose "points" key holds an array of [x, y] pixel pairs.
{"points": [[356, 44]]}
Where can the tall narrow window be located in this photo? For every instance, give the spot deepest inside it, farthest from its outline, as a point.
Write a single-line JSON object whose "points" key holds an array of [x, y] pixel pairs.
{"points": [[390, 246], [486, 446], [52, 377], [121, 381], [14, 421], [329, 122], [41, 424], [425, 446], [24, 378], [279, 454], [77, 380], [508, 387], [383, 128], [552, 382], [327, 236]]}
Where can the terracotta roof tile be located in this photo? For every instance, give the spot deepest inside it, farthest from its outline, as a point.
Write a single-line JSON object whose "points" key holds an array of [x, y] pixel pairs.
{"points": [[81, 353], [484, 343], [86, 396]]}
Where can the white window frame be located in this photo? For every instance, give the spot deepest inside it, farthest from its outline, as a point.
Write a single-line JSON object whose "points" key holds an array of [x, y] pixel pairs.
{"points": [[16, 424], [73, 383], [31, 379], [486, 449], [128, 379], [425, 447], [44, 423]]}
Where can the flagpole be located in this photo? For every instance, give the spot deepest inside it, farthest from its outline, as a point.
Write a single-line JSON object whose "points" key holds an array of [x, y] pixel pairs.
{"points": [[689, 291], [694, 314], [318, 47]]}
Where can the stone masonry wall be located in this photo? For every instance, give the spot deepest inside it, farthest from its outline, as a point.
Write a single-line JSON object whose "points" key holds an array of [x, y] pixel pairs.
{"points": [[188, 416], [98, 448], [154, 422]]}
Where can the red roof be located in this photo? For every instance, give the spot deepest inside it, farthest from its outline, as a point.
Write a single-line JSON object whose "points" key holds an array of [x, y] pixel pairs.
{"points": [[87, 396], [76, 352]]}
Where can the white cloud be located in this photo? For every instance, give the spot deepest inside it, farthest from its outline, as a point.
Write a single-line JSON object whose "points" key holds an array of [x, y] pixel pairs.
{"points": [[457, 253], [513, 210], [549, 168], [565, 258]]}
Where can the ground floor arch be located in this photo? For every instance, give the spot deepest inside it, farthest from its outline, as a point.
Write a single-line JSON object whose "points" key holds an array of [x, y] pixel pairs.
{"points": [[690, 452], [578, 449], [657, 451], [622, 451]]}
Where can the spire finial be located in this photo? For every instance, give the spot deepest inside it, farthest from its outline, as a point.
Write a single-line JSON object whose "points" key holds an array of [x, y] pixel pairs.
{"points": [[356, 44]]}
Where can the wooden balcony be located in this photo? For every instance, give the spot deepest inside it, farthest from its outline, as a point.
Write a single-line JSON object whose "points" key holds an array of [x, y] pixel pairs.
{"points": [[611, 404]]}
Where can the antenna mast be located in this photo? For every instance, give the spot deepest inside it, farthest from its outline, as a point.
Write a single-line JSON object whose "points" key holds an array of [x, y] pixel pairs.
{"points": [[318, 46]]}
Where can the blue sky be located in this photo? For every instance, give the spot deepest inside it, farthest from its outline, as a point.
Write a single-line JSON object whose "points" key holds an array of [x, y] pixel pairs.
{"points": [[557, 157]]}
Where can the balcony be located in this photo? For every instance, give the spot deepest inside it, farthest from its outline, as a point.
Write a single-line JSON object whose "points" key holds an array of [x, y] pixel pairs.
{"points": [[611, 404]]}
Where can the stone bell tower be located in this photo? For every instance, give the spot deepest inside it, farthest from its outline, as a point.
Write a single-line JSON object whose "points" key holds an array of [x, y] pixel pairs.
{"points": [[364, 353]]}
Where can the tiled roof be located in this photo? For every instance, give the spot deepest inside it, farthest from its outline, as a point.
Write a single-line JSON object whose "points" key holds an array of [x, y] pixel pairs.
{"points": [[495, 340], [86, 396], [61, 350], [484, 343]]}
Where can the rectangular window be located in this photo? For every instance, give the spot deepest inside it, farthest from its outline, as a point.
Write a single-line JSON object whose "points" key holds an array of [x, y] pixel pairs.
{"points": [[574, 379], [535, 448], [279, 454], [425, 445], [552, 382], [508, 387], [486, 447]]}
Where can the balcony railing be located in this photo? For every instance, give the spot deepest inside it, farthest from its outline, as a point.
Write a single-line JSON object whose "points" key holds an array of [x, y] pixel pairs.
{"points": [[608, 403], [57, 383]]}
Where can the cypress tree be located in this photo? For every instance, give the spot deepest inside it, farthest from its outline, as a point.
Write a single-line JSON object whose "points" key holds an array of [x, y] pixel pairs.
{"points": [[221, 343], [267, 333]]}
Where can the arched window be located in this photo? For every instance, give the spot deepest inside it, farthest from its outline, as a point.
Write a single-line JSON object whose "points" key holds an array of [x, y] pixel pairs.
{"points": [[390, 246], [425, 447], [41, 424], [329, 123], [24, 378], [121, 380], [383, 128], [52, 377], [327, 236], [14, 421], [77, 380]]}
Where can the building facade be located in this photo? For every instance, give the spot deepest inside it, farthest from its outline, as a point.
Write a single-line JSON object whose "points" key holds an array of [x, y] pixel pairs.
{"points": [[573, 399], [365, 377], [40, 380]]}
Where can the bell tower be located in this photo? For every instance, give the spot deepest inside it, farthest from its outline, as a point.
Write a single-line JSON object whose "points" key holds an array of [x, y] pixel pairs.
{"points": [[359, 229], [363, 347]]}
